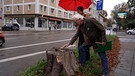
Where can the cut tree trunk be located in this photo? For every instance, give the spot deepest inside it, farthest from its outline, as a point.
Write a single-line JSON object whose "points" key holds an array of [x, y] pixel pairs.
{"points": [[59, 60]]}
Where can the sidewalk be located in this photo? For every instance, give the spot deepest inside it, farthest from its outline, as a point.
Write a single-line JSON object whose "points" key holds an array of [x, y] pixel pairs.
{"points": [[126, 66]]}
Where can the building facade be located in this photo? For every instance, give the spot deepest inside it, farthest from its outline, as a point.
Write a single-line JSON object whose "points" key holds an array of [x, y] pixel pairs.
{"points": [[40, 14], [1, 13], [37, 14]]}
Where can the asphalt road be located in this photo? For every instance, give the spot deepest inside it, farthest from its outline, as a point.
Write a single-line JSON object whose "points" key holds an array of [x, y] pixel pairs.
{"points": [[24, 48]]}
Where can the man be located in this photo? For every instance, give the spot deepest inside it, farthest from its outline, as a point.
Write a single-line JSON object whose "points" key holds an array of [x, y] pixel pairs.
{"points": [[95, 32], [80, 10], [81, 36]]}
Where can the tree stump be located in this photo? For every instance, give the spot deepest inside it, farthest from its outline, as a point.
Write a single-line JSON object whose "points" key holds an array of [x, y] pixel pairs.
{"points": [[59, 60]]}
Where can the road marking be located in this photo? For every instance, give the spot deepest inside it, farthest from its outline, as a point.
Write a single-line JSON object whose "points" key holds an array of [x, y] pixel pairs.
{"points": [[10, 38], [21, 56], [34, 44], [24, 56]]}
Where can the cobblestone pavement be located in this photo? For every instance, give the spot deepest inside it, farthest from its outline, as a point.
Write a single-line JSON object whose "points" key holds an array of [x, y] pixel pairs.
{"points": [[126, 66]]}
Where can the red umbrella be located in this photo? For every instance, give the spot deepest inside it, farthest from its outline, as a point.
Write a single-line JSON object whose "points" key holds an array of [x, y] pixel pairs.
{"points": [[71, 5]]}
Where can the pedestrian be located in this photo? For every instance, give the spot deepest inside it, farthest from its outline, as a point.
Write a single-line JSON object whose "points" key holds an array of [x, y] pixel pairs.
{"points": [[80, 10], [49, 27], [55, 26], [95, 32]]}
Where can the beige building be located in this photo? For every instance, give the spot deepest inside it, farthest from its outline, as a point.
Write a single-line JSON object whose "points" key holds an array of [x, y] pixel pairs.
{"points": [[36, 14], [1, 13]]}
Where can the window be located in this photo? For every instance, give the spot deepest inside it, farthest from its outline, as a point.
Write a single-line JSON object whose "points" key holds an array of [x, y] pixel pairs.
{"points": [[1, 10], [52, 1], [7, 0], [41, 7], [89, 9], [52, 10], [29, 7], [8, 8], [45, 8], [18, 8], [65, 14], [59, 12], [70, 15], [0, 1]]}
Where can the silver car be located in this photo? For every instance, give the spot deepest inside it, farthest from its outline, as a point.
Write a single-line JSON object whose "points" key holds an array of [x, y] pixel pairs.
{"points": [[130, 32]]}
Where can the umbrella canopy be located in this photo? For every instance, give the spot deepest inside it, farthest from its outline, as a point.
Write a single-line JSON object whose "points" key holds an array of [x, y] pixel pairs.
{"points": [[71, 5]]}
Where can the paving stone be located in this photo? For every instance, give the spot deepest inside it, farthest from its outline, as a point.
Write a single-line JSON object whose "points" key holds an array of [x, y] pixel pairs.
{"points": [[121, 72], [115, 74], [133, 67], [125, 65], [132, 73]]}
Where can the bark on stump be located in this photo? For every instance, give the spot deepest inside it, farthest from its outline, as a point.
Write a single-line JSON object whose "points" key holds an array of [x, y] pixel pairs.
{"points": [[58, 61]]}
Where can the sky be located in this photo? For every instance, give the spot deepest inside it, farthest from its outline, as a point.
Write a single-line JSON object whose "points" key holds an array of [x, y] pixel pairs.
{"points": [[108, 5]]}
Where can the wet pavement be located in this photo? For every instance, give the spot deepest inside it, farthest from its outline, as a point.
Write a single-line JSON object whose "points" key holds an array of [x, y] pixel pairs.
{"points": [[126, 66]]}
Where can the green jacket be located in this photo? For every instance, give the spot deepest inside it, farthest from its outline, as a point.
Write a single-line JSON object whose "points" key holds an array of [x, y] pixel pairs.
{"points": [[94, 31]]}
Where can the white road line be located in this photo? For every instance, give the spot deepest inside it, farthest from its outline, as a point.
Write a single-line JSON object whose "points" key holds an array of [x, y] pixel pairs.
{"points": [[24, 56], [21, 56], [10, 38], [33, 44]]}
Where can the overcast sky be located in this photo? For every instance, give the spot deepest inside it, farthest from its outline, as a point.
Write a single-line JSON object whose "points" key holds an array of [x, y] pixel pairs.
{"points": [[109, 4]]}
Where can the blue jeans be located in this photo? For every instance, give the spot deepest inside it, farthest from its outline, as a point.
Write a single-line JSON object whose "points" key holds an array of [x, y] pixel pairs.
{"points": [[83, 50], [104, 63], [82, 58]]}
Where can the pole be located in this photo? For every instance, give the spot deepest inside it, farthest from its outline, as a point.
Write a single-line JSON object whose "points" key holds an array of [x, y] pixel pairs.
{"points": [[42, 21]]}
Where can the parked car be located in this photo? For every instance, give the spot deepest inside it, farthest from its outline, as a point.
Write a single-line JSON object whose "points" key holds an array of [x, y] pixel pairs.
{"points": [[130, 32], [108, 28], [115, 29], [2, 39], [11, 27]]}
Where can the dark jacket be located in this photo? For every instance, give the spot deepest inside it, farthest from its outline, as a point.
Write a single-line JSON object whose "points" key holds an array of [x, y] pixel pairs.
{"points": [[94, 31]]}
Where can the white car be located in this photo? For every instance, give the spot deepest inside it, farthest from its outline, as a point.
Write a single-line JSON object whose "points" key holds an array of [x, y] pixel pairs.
{"points": [[130, 32]]}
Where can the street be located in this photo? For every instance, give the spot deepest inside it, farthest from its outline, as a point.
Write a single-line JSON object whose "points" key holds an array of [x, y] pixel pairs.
{"points": [[24, 48]]}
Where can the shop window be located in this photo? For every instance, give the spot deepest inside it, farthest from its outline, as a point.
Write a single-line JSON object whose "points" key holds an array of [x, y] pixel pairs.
{"points": [[29, 22]]}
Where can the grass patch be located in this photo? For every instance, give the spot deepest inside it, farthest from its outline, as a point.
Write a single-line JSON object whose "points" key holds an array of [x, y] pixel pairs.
{"points": [[34, 70], [93, 66]]}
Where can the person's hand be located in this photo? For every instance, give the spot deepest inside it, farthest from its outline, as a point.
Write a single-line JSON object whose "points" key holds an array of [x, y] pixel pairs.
{"points": [[103, 43], [65, 46]]}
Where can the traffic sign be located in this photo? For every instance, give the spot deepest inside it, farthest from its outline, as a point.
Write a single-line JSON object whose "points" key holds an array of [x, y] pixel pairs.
{"points": [[99, 5]]}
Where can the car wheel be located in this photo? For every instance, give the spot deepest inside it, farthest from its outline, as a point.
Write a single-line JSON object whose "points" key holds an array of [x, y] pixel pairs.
{"points": [[1, 41], [129, 33], [16, 28]]}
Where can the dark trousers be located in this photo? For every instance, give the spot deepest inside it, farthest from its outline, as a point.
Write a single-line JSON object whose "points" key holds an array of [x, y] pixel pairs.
{"points": [[104, 63], [80, 42], [82, 58]]}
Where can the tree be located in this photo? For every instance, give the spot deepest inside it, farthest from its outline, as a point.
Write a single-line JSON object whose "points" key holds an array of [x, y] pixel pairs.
{"points": [[123, 7], [131, 15]]}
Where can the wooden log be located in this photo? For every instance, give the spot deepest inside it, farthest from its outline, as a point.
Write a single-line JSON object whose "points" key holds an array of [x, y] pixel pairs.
{"points": [[61, 59]]}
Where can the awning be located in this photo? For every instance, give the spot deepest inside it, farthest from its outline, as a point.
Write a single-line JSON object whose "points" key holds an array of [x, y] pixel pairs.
{"points": [[55, 19]]}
